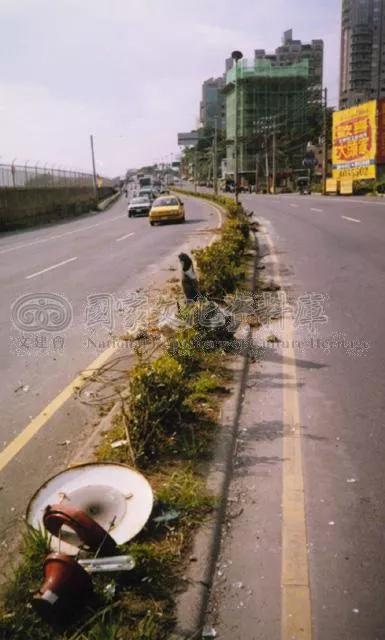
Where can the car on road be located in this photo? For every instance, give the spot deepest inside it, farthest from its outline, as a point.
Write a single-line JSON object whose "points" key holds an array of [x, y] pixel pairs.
{"points": [[167, 209], [147, 191], [139, 206], [303, 185]]}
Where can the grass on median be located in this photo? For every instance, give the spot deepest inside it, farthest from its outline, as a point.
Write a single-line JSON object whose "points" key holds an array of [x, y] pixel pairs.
{"points": [[169, 421]]}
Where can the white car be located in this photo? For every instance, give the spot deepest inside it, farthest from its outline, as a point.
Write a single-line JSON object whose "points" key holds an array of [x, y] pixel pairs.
{"points": [[139, 206]]}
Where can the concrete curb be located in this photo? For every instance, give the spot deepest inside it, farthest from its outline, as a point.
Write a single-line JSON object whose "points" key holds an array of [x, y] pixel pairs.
{"points": [[192, 603], [104, 204]]}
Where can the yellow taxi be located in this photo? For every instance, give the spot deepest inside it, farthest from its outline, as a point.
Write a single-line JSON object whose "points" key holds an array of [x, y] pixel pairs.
{"points": [[167, 209]]}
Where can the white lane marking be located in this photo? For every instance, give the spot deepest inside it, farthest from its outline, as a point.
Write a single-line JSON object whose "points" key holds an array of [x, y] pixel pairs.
{"points": [[54, 266], [294, 205], [60, 235], [350, 219], [318, 210], [124, 237]]}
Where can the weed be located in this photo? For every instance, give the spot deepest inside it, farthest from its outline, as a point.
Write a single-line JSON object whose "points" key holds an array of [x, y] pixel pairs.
{"points": [[154, 407], [186, 492]]}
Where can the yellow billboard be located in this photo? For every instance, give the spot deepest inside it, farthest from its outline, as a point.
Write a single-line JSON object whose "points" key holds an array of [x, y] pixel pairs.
{"points": [[355, 142]]}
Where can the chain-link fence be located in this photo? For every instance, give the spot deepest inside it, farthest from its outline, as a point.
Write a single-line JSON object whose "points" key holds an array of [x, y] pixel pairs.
{"points": [[33, 177]]}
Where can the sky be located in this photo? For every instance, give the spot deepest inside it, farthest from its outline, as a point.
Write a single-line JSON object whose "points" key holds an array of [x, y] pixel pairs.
{"points": [[130, 71]]}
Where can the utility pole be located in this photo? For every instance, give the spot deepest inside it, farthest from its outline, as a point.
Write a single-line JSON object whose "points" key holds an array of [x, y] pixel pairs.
{"points": [[93, 167], [196, 168], [325, 141], [256, 172], [215, 156], [274, 175], [267, 170]]}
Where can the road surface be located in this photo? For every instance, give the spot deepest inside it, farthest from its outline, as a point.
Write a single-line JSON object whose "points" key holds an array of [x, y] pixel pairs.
{"points": [[329, 251], [100, 254]]}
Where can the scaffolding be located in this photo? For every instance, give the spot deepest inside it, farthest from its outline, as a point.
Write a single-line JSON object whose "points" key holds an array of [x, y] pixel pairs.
{"points": [[269, 96]]}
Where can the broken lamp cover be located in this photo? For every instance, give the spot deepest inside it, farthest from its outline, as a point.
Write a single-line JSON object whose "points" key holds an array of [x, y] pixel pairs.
{"points": [[117, 498]]}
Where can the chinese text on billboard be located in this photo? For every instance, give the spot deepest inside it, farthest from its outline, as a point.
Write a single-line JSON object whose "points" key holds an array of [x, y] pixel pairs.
{"points": [[355, 142]]}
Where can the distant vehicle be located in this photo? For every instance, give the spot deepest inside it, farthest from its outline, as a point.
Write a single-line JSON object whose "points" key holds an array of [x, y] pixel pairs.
{"points": [[229, 186], [145, 181], [147, 192], [303, 185], [139, 207], [167, 209]]}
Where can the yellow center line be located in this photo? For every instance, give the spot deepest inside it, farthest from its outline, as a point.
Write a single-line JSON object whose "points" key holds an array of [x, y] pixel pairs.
{"points": [[296, 620], [42, 418]]}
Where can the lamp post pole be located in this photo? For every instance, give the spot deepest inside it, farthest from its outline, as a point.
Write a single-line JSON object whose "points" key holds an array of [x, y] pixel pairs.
{"points": [[325, 142], [236, 56], [215, 157], [93, 167]]}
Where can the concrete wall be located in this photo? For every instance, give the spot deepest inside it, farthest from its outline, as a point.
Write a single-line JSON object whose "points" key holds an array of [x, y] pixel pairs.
{"points": [[31, 207]]}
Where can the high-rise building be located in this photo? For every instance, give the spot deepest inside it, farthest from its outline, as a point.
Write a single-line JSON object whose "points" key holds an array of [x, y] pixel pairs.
{"points": [[292, 51], [275, 90], [271, 97], [362, 74], [213, 103]]}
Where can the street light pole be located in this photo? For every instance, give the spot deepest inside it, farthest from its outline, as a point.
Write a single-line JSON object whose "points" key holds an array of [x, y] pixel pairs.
{"points": [[196, 168], [93, 167], [274, 175], [325, 141], [267, 170], [256, 173], [215, 156], [236, 56]]}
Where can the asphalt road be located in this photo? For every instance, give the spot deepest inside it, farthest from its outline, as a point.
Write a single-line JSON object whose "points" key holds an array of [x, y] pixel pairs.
{"points": [[100, 254], [332, 251]]}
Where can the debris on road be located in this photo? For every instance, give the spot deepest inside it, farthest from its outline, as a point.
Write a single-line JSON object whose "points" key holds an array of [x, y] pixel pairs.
{"points": [[84, 507], [66, 586], [108, 565], [22, 387], [119, 443], [168, 516], [209, 632]]}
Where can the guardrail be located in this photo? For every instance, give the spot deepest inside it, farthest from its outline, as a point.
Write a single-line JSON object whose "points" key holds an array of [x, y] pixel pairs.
{"points": [[33, 177]]}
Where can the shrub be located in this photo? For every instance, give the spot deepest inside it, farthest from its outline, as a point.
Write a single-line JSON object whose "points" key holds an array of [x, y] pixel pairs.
{"points": [[219, 269], [157, 391]]}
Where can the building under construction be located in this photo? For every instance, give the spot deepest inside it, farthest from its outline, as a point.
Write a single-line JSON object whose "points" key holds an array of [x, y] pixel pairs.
{"points": [[273, 100]]}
